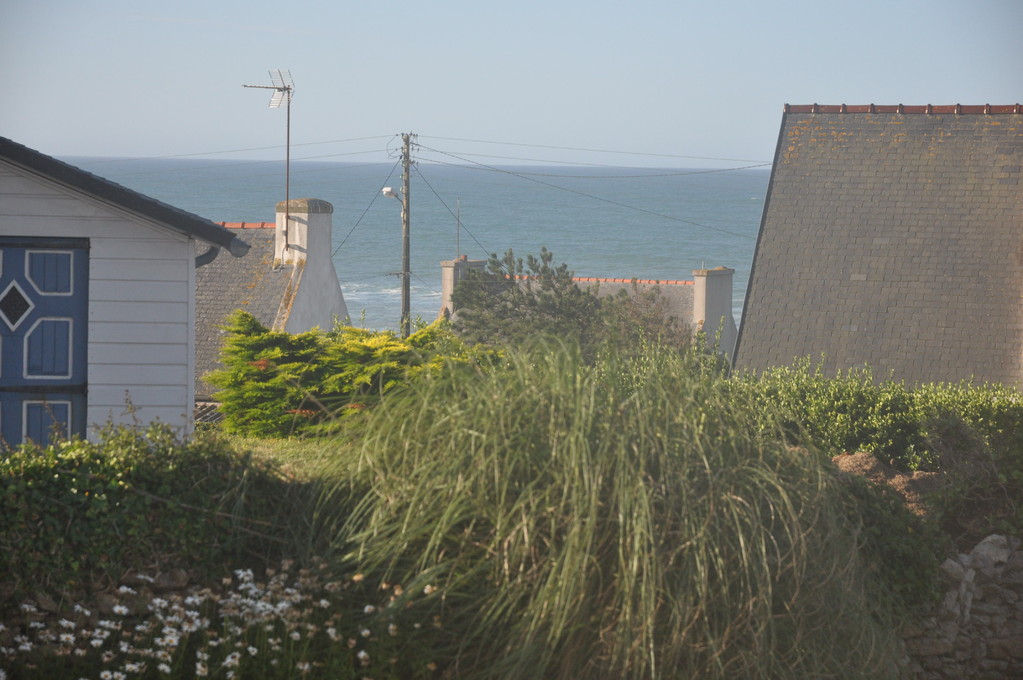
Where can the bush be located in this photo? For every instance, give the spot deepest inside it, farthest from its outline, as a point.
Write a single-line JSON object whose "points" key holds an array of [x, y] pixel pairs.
{"points": [[79, 514], [976, 435], [849, 412], [623, 521], [276, 384]]}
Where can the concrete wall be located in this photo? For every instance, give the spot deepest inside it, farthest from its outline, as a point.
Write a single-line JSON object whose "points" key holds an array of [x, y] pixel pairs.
{"points": [[704, 304]]}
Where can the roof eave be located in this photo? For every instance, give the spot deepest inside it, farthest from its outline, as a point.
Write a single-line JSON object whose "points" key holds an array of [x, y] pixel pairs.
{"points": [[125, 198]]}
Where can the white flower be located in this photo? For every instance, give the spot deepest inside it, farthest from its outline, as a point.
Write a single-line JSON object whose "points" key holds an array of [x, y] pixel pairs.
{"points": [[368, 609], [66, 638], [63, 623], [125, 590], [106, 675], [201, 671], [365, 632], [164, 668], [428, 590], [295, 635], [252, 651], [120, 609]]}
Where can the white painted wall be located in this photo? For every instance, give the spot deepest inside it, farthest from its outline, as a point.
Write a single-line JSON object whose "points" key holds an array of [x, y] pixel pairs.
{"points": [[141, 300]]}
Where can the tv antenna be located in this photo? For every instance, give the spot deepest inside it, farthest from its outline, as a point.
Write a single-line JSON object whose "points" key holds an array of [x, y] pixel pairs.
{"points": [[283, 88]]}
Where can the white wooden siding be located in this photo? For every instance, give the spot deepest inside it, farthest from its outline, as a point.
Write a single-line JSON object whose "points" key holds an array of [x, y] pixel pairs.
{"points": [[141, 299]]}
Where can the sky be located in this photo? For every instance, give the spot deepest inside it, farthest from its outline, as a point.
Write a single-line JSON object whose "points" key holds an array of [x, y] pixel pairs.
{"points": [[646, 83]]}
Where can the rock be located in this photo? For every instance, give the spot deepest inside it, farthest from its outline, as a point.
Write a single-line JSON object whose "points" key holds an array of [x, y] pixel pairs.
{"points": [[990, 554], [105, 603], [1006, 647], [46, 603], [175, 579], [923, 648], [953, 570]]}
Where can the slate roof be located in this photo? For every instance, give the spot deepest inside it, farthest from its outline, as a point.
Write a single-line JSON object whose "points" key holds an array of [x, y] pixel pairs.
{"points": [[111, 192], [892, 236], [251, 283]]}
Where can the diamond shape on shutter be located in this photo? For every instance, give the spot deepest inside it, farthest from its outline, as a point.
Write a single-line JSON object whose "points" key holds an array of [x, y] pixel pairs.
{"points": [[14, 305]]}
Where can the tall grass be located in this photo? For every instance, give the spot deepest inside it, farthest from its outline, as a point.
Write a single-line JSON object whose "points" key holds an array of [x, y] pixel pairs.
{"points": [[620, 520]]}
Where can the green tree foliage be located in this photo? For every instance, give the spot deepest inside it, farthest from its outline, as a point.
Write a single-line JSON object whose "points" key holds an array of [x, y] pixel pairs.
{"points": [[514, 302], [275, 383]]}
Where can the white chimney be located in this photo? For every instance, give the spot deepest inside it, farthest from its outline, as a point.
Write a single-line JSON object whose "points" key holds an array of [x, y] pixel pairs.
{"points": [[304, 238], [712, 307]]}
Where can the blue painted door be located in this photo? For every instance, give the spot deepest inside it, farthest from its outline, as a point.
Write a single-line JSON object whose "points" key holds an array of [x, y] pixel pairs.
{"points": [[43, 338]]}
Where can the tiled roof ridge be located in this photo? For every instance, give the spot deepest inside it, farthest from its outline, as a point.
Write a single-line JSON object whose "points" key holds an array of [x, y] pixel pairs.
{"points": [[248, 225], [958, 109], [593, 279]]}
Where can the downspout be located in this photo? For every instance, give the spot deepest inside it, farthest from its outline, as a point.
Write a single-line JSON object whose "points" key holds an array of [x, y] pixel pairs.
{"points": [[207, 257]]}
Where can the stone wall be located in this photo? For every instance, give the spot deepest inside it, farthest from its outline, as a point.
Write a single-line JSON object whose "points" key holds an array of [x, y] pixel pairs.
{"points": [[976, 631]]}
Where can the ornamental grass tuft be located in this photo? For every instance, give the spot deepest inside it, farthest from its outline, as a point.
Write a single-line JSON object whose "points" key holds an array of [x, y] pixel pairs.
{"points": [[627, 519]]}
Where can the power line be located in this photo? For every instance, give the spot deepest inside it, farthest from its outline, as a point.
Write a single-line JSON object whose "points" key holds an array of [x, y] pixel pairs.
{"points": [[372, 201], [645, 175], [254, 148], [448, 208], [591, 196], [629, 153]]}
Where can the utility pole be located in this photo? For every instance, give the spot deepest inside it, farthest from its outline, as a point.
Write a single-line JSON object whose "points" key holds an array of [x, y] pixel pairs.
{"points": [[406, 267]]}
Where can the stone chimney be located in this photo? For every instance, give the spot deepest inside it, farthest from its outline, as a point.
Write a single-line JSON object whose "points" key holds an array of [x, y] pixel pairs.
{"points": [[712, 306], [306, 242], [451, 272]]}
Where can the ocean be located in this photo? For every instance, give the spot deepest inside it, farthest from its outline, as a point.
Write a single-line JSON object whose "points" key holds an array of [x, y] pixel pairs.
{"points": [[602, 222]]}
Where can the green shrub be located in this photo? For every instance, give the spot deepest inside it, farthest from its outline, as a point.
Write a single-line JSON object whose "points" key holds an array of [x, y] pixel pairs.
{"points": [[976, 435], [622, 521], [78, 513], [276, 384], [848, 412]]}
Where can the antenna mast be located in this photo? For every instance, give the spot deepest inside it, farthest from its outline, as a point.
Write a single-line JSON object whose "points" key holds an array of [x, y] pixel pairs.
{"points": [[283, 88]]}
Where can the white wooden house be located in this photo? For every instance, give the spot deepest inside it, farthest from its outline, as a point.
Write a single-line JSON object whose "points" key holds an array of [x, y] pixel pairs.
{"points": [[97, 300]]}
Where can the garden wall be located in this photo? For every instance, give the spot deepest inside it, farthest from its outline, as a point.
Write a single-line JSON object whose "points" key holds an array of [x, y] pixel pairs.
{"points": [[976, 631]]}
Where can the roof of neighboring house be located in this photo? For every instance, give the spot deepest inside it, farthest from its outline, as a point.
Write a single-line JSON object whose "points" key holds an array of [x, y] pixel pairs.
{"points": [[892, 236], [251, 283], [111, 192]]}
